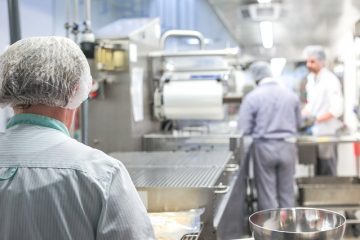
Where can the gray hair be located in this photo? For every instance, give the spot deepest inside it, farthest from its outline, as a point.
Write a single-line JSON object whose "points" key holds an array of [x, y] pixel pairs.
{"points": [[259, 70], [44, 70], [315, 51]]}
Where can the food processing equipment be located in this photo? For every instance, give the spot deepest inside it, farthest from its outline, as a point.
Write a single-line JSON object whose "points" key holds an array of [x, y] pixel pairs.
{"points": [[181, 181]]}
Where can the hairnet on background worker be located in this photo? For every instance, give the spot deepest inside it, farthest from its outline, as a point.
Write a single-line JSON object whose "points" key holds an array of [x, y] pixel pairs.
{"points": [[325, 105], [270, 114], [259, 71], [317, 52], [52, 186]]}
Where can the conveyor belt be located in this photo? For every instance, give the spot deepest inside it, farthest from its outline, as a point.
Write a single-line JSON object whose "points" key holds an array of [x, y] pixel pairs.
{"points": [[174, 159], [175, 169], [175, 177]]}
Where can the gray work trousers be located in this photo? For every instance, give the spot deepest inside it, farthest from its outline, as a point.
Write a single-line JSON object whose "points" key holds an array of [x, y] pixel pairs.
{"points": [[274, 170], [326, 162]]}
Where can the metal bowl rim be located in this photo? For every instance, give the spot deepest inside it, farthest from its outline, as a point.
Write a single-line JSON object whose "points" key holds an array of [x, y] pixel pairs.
{"points": [[302, 208]]}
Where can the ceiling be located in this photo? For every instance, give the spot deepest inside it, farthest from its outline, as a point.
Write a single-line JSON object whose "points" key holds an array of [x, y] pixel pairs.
{"points": [[301, 23]]}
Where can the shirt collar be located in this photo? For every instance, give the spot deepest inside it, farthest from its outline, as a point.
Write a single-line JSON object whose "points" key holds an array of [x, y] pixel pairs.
{"points": [[315, 77], [38, 120]]}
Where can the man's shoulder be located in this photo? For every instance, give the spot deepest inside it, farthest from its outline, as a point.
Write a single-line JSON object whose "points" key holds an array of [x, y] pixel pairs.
{"points": [[328, 75], [90, 160]]}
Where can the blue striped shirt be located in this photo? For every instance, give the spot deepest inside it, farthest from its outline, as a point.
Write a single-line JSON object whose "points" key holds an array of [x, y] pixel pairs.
{"points": [[65, 190]]}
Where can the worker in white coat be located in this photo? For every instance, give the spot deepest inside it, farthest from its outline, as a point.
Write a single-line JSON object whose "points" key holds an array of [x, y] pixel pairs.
{"points": [[325, 105], [271, 115], [52, 186]]}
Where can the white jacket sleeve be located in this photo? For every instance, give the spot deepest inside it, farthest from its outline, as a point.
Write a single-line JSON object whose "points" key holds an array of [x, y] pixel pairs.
{"points": [[123, 215]]}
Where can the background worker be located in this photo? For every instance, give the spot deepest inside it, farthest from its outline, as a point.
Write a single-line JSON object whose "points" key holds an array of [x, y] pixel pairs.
{"points": [[270, 114], [324, 105]]}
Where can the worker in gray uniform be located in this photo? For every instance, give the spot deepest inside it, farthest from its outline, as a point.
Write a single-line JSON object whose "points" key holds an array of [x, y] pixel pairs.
{"points": [[271, 115]]}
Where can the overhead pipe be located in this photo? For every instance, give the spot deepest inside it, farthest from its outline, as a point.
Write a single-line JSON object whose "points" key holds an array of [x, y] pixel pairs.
{"points": [[68, 21], [14, 21], [87, 38], [87, 22], [182, 33], [75, 24]]}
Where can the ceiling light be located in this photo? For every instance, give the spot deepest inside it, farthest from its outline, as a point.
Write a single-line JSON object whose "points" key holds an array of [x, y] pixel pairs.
{"points": [[266, 31], [264, 1]]}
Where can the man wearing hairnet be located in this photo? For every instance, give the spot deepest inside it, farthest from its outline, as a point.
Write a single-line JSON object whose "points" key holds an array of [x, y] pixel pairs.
{"points": [[271, 115], [51, 186], [324, 105]]}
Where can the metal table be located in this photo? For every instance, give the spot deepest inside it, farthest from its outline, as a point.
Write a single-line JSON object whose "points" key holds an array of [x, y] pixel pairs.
{"points": [[195, 141], [305, 141], [178, 181], [315, 140]]}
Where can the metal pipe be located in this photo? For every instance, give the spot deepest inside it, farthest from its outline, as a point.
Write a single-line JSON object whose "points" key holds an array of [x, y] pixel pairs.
{"points": [[14, 21], [87, 22], [76, 11], [75, 24], [182, 33], [84, 116], [87, 36], [68, 21], [222, 52]]}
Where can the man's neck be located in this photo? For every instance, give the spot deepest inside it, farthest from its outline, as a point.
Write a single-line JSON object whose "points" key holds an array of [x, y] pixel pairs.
{"points": [[63, 115], [318, 72]]}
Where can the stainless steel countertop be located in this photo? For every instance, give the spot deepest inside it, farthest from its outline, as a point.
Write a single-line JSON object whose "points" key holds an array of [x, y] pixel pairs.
{"points": [[194, 135], [315, 140], [175, 169]]}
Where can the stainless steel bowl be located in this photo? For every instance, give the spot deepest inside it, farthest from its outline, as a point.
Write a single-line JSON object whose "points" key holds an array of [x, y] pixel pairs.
{"points": [[297, 224]]}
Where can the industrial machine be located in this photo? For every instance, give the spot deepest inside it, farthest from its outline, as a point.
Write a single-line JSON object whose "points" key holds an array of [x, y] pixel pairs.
{"points": [[192, 85], [120, 113], [139, 88]]}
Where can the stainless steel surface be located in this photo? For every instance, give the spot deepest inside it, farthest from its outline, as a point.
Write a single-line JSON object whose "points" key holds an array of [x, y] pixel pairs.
{"points": [[231, 52], [312, 140], [14, 20], [311, 19], [111, 115], [84, 126], [329, 191], [177, 181], [186, 141], [191, 236], [296, 224], [308, 146], [182, 33], [175, 169], [324, 180], [174, 159], [182, 177]]}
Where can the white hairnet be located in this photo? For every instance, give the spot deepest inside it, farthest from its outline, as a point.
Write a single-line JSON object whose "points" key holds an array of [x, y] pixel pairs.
{"points": [[44, 70], [315, 51], [259, 70]]}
